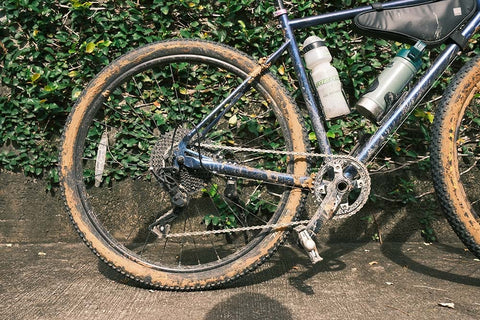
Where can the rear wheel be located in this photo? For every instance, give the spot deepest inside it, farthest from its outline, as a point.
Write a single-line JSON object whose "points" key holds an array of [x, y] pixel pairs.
{"points": [[455, 154], [117, 156]]}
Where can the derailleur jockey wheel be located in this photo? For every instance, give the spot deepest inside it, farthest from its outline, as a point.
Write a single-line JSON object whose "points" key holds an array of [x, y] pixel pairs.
{"points": [[347, 173]]}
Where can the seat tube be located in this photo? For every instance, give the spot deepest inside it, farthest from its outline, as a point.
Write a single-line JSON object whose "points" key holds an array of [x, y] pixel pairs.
{"points": [[305, 87]]}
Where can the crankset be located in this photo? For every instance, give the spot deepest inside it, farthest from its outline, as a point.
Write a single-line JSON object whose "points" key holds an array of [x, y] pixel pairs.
{"points": [[341, 187], [345, 174]]}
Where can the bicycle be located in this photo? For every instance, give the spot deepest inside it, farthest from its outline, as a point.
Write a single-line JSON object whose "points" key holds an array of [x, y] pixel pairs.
{"points": [[193, 203]]}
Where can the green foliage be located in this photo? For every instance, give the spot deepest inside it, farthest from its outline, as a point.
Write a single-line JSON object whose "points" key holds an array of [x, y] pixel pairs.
{"points": [[224, 216], [50, 50], [371, 222], [405, 191], [428, 232], [227, 212]]}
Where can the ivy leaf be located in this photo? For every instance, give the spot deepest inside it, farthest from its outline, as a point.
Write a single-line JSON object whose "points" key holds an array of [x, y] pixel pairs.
{"points": [[208, 220], [215, 220], [331, 134], [233, 120], [90, 47], [35, 77]]}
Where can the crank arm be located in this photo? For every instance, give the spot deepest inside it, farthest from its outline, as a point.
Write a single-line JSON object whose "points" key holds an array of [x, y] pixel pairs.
{"points": [[325, 212]]}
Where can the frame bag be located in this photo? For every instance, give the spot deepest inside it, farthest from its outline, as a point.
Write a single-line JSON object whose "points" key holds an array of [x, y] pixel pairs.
{"points": [[433, 22]]}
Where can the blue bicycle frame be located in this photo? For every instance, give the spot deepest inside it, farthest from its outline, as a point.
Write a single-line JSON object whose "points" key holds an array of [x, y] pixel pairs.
{"points": [[398, 113]]}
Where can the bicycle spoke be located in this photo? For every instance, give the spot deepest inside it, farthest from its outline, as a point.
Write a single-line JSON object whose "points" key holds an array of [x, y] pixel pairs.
{"points": [[132, 138]]}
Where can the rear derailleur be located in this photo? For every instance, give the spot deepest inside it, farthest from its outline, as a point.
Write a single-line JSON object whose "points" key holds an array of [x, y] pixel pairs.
{"points": [[179, 181], [167, 177]]}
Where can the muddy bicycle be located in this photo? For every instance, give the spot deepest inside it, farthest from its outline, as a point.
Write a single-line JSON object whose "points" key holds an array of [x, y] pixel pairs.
{"points": [[185, 163]]}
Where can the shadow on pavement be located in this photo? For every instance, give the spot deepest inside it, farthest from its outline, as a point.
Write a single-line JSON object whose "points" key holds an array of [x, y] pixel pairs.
{"points": [[251, 306], [395, 252], [280, 263], [288, 258], [331, 263]]}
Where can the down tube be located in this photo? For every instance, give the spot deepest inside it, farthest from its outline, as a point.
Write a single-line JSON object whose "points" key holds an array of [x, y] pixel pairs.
{"points": [[377, 141]]}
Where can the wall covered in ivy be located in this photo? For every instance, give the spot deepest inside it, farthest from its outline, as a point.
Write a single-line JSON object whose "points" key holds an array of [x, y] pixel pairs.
{"points": [[49, 51]]}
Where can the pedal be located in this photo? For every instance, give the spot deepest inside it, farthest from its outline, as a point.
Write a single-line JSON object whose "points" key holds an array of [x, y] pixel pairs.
{"points": [[161, 226], [161, 231], [309, 245]]}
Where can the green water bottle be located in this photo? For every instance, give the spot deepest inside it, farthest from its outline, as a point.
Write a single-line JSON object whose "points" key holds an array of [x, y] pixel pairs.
{"points": [[385, 89]]}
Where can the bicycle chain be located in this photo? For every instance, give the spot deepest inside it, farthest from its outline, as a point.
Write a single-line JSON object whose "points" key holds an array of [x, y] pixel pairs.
{"points": [[275, 226], [292, 153]]}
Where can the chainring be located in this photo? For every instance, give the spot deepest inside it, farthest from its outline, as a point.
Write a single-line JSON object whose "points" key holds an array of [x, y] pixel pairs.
{"points": [[360, 192]]}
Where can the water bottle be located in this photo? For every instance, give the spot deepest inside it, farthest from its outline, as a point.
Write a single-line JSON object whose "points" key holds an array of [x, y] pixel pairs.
{"points": [[325, 78], [385, 89]]}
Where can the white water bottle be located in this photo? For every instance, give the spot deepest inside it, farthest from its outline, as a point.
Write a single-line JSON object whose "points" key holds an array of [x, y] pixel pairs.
{"points": [[325, 78]]}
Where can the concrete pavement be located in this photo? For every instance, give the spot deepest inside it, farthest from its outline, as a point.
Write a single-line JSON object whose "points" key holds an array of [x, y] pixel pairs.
{"points": [[355, 281]]}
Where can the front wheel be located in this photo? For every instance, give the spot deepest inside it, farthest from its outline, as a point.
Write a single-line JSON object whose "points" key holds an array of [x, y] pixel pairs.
{"points": [[455, 154], [118, 154]]}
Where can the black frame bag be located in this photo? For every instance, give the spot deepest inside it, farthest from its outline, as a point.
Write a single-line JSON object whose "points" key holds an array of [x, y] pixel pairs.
{"points": [[433, 22]]}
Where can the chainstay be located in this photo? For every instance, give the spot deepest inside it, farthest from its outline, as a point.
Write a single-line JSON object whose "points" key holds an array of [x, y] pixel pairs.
{"points": [[274, 227]]}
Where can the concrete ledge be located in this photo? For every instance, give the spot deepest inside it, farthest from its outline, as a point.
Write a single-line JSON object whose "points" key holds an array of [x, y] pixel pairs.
{"points": [[29, 214]]}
